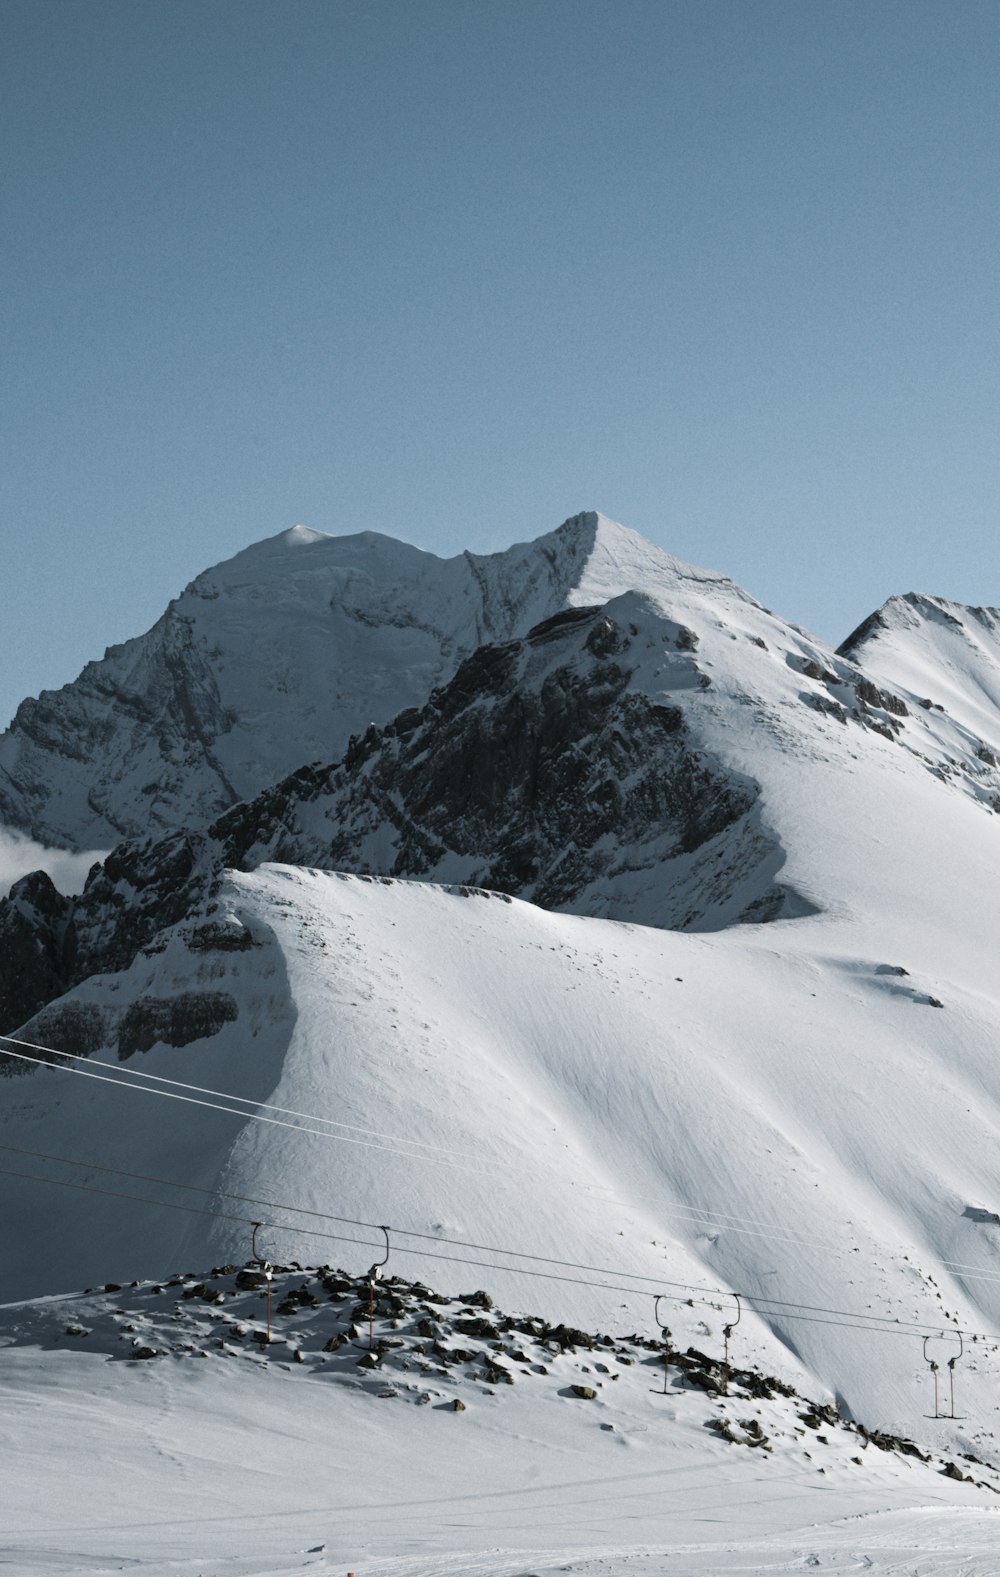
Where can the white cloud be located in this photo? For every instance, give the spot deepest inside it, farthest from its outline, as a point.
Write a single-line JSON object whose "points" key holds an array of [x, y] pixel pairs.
{"points": [[20, 854]]}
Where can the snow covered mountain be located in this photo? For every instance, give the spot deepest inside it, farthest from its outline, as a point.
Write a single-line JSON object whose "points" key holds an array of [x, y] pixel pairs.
{"points": [[275, 658], [734, 1030]]}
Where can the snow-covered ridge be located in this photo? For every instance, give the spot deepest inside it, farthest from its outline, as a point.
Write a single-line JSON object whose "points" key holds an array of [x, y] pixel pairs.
{"points": [[944, 652]]}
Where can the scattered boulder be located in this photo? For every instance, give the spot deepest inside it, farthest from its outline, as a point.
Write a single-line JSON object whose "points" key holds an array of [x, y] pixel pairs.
{"points": [[477, 1300], [247, 1279], [951, 1470]]}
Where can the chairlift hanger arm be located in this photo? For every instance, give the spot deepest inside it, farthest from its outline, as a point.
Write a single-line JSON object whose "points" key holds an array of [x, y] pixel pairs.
{"points": [[375, 1274]]}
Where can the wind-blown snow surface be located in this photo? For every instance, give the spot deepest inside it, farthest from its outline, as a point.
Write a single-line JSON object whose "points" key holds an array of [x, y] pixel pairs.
{"points": [[275, 658]]}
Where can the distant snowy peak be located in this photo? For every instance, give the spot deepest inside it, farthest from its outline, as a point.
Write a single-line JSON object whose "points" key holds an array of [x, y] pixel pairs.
{"points": [[915, 611], [943, 653], [276, 657]]}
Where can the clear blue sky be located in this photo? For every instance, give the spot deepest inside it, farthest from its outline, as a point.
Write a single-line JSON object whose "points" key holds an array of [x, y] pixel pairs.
{"points": [[455, 269]]}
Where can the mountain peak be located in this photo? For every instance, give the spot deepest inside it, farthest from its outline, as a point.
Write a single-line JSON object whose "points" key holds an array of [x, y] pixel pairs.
{"points": [[302, 536], [945, 652], [276, 656]]}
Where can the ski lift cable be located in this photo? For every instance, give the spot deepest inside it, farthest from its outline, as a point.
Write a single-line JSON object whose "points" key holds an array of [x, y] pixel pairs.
{"points": [[110, 1075], [722, 1219], [771, 1308], [326, 1215], [127, 1073], [111, 1078], [775, 1304], [885, 1329], [288, 1111], [233, 1111], [488, 1248]]}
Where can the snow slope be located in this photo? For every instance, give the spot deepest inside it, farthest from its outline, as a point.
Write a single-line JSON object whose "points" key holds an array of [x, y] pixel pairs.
{"points": [[275, 658], [149, 1464], [766, 1109]]}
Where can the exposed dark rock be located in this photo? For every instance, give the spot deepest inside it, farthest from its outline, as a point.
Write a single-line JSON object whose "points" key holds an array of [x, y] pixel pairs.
{"points": [[37, 946], [477, 1327], [870, 695], [825, 703], [586, 1392], [251, 1278], [814, 670], [220, 937], [569, 1338], [531, 766], [868, 630], [77, 1027], [49, 943], [174, 1021], [704, 1381], [952, 1470]]}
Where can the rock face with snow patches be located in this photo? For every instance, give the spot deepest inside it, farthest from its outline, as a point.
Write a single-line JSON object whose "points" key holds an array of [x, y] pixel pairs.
{"points": [[541, 770]]}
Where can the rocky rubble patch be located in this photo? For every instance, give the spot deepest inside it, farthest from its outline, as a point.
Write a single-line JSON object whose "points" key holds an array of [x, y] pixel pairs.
{"points": [[409, 1344]]}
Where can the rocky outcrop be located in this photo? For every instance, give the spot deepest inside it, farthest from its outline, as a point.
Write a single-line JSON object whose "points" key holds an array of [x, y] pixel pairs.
{"points": [[51, 943], [175, 1020], [534, 772], [36, 947]]}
